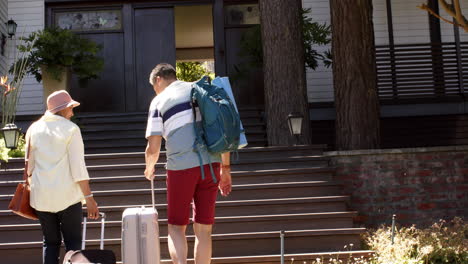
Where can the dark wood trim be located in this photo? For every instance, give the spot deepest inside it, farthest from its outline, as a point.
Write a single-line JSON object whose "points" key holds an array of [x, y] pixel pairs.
{"points": [[240, 26], [239, 2], [129, 58], [137, 5], [97, 2], [391, 43], [456, 32], [434, 23], [219, 38], [391, 40], [405, 101], [436, 37]]}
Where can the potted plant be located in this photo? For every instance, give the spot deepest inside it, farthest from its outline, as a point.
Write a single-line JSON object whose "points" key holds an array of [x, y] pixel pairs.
{"points": [[57, 53]]}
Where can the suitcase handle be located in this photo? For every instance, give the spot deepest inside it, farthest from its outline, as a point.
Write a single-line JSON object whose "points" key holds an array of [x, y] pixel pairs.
{"points": [[152, 193], [85, 221]]}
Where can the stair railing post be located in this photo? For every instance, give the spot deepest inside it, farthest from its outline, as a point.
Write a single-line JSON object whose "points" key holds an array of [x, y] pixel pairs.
{"points": [[393, 228], [282, 246]]}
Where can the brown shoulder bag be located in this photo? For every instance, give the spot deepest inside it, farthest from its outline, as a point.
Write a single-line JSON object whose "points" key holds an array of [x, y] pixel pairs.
{"points": [[20, 203]]}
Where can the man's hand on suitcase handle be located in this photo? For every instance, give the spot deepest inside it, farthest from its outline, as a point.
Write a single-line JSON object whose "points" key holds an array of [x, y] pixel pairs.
{"points": [[149, 173]]}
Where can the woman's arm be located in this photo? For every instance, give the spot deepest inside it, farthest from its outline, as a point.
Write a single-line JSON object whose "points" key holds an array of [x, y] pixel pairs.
{"points": [[91, 205]]}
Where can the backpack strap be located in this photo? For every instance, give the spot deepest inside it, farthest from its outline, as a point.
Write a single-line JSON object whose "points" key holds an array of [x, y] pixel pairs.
{"points": [[198, 144]]}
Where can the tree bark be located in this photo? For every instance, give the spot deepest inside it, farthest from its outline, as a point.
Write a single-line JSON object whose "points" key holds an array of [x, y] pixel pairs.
{"points": [[354, 75], [284, 70]]}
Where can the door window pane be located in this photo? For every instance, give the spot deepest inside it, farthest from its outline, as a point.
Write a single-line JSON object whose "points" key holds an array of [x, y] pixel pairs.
{"points": [[99, 20], [247, 14]]}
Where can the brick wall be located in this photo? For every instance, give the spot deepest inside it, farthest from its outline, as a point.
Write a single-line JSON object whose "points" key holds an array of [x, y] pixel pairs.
{"points": [[419, 185]]}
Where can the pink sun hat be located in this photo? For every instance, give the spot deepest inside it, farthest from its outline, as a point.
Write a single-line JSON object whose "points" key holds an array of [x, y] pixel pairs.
{"points": [[60, 100]]}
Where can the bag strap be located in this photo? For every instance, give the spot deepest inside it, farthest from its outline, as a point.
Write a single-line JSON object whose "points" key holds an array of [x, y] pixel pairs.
{"points": [[26, 163], [199, 142]]}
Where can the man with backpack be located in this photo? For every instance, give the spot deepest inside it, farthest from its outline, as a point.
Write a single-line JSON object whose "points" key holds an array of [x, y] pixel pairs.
{"points": [[193, 173]]}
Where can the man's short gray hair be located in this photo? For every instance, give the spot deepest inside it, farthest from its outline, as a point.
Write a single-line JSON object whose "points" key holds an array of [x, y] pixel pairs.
{"points": [[163, 70]]}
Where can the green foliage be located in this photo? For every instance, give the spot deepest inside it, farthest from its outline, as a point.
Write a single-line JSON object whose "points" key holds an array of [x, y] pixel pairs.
{"points": [[6, 153], [191, 71], [57, 48], [314, 34], [3, 151], [442, 243], [20, 150]]}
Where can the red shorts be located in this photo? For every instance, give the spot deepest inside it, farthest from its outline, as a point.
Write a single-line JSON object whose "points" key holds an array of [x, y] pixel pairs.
{"points": [[186, 186]]}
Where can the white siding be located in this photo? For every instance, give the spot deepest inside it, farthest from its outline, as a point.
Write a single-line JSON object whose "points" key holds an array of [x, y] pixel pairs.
{"points": [[3, 19], [29, 14], [320, 81], [410, 25], [380, 22]]}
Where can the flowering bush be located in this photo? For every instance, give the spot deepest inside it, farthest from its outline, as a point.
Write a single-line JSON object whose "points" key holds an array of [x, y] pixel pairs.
{"points": [[442, 243]]}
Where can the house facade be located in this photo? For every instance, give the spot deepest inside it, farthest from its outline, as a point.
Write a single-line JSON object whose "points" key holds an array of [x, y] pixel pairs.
{"points": [[420, 64], [3, 36]]}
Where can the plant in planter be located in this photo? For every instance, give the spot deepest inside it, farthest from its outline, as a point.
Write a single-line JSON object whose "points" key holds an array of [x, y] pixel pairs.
{"points": [[56, 53]]}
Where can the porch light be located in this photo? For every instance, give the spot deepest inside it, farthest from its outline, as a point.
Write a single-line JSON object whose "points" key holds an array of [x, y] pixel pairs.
{"points": [[295, 124], [11, 134], [11, 27]]}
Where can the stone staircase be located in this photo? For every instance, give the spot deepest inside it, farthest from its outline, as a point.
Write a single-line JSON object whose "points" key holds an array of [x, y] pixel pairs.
{"points": [[274, 189]]}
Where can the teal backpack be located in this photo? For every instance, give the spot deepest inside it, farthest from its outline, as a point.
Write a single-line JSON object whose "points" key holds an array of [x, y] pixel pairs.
{"points": [[219, 129]]}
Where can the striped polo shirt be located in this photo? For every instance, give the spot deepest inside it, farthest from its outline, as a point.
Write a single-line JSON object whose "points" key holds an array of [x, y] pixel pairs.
{"points": [[170, 116]]}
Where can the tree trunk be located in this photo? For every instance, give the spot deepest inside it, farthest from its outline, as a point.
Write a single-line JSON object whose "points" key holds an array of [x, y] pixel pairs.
{"points": [[354, 75], [284, 69]]}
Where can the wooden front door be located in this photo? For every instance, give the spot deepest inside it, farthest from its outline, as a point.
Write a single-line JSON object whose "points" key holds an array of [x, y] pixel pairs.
{"points": [[107, 93], [143, 36], [154, 43]]}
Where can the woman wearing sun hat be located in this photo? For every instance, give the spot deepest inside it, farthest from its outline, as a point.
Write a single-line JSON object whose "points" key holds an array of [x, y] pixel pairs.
{"points": [[59, 178]]}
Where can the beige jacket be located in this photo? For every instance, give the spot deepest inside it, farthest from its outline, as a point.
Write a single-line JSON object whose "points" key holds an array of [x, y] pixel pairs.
{"points": [[56, 163]]}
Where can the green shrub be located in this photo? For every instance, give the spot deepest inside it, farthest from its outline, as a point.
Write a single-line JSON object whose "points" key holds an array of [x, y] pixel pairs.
{"points": [[313, 34], [57, 48], [442, 243], [6, 153], [191, 71]]}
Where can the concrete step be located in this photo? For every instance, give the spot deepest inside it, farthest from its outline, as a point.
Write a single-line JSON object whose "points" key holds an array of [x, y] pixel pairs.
{"points": [[239, 177], [136, 146], [248, 164], [224, 245], [246, 153], [139, 123], [250, 129], [239, 192], [230, 224], [225, 208], [244, 111], [139, 157], [142, 118], [346, 256], [138, 137]]}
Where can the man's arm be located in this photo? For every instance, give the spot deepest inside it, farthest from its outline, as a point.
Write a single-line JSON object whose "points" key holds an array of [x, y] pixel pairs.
{"points": [[152, 155], [225, 184]]}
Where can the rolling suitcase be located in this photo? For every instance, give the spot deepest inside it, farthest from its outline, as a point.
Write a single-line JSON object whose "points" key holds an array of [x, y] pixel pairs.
{"points": [[140, 235], [91, 256]]}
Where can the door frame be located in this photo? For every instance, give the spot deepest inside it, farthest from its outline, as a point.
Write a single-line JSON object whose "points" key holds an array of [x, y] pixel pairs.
{"points": [[128, 9]]}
